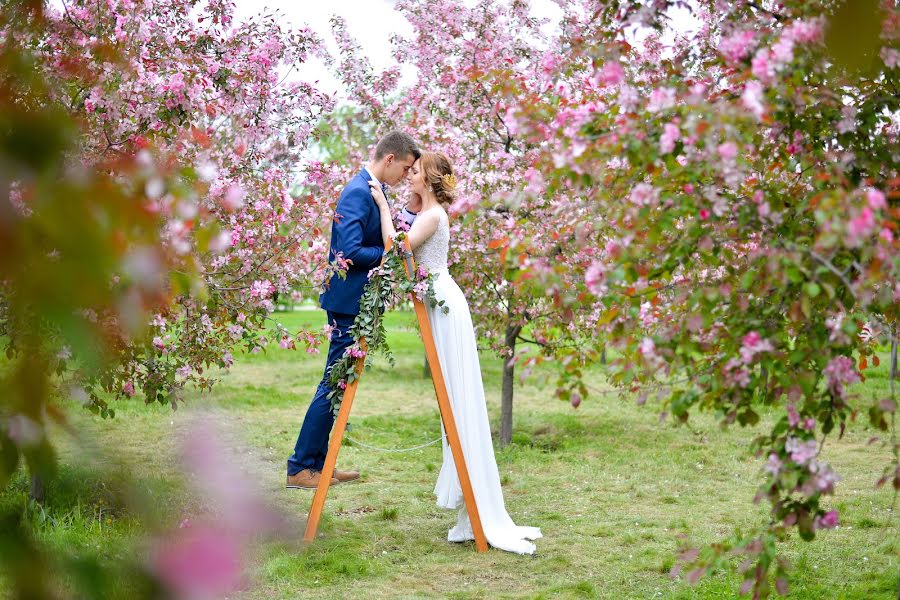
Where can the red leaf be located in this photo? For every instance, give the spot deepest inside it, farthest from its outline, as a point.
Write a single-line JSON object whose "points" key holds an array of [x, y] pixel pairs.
{"points": [[494, 244], [200, 137]]}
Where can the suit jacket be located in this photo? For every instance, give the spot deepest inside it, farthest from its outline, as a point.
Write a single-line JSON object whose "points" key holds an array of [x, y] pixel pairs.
{"points": [[356, 232]]}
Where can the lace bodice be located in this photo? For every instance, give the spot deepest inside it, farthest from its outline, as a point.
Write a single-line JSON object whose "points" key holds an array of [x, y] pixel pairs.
{"points": [[432, 253]]}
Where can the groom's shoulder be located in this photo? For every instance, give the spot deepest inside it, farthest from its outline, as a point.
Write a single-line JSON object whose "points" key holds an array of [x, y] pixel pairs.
{"points": [[356, 182], [355, 186]]}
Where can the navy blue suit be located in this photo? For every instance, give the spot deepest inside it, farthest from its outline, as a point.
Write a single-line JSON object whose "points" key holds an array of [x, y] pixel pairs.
{"points": [[355, 232]]}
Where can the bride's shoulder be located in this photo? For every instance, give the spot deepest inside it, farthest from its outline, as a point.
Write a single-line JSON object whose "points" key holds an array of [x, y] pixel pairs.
{"points": [[439, 213]]}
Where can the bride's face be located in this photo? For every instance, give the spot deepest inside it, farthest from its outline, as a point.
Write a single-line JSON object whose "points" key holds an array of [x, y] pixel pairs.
{"points": [[416, 178]]}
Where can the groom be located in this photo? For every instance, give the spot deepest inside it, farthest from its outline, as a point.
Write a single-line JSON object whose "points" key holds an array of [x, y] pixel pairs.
{"points": [[356, 234]]}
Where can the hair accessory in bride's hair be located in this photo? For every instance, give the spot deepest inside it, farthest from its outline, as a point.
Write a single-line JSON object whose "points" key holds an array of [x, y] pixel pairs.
{"points": [[449, 181]]}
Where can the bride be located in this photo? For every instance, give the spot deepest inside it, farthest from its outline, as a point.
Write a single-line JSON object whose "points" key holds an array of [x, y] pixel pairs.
{"points": [[431, 177]]}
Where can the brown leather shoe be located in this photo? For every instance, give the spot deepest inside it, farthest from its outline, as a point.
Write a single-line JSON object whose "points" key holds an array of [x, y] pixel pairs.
{"points": [[345, 476], [306, 479]]}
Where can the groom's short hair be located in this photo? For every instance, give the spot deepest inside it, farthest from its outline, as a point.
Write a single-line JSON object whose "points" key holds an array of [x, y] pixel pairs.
{"points": [[399, 144]]}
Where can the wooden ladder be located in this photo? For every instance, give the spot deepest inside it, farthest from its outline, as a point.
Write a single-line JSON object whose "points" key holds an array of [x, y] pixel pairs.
{"points": [[440, 388]]}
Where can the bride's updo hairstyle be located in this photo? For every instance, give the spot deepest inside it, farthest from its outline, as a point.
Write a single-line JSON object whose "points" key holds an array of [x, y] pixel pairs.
{"points": [[438, 175]]}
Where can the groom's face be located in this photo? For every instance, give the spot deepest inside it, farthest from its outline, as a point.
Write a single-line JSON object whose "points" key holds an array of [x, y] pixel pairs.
{"points": [[397, 169]]}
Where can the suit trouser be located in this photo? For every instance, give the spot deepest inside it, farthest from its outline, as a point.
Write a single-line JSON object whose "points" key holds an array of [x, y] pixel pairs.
{"points": [[312, 443]]}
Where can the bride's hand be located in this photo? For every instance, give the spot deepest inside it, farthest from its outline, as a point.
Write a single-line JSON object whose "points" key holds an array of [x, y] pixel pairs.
{"points": [[377, 195]]}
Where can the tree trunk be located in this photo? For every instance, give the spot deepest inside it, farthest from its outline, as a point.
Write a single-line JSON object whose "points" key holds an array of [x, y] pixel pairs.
{"points": [[506, 397], [37, 488], [603, 356], [894, 354], [426, 369]]}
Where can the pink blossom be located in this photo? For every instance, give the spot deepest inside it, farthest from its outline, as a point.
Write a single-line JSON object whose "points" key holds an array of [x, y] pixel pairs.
{"points": [[783, 51], [612, 73], [644, 194], [128, 388], [661, 98], [648, 314], [736, 373], [801, 452], [839, 372], [421, 290], [876, 199], [804, 32], [848, 119], [736, 47], [199, 562], [670, 135], [728, 150], [355, 351], [704, 214], [763, 67], [221, 242], [829, 520], [833, 324], [594, 277], [184, 371], [860, 227], [233, 198], [158, 343], [753, 344], [781, 586], [752, 98], [262, 289], [774, 466], [793, 416], [550, 61], [647, 350], [824, 479], [891, 57], [174, 83], [312, 343], [227, 359]]}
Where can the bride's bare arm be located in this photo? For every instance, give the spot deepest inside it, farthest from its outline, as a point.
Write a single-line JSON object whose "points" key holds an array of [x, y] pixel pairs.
{"points": [[423, 227]]}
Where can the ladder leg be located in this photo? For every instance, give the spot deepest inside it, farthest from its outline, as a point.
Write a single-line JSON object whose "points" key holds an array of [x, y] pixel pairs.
{"points": [[459, 459], [334, 447]]}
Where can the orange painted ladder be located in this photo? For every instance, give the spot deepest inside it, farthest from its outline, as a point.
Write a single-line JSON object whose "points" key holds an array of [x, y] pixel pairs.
{"points": [[440, 388]]}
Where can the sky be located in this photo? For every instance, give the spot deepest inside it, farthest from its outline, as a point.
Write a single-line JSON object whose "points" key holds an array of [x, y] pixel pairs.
{"points": [[371, 22]]}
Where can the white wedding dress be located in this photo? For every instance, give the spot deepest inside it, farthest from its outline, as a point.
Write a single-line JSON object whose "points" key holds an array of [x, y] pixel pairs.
{"points": [[454, 337]]}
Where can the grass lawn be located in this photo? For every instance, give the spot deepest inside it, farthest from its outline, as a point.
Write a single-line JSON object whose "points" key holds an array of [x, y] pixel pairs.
{"points": [[611, 487]]}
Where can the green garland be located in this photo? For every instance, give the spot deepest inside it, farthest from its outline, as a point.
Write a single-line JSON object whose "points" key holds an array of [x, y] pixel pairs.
{"points": [[388, 285]]}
